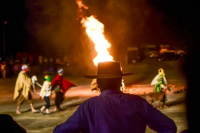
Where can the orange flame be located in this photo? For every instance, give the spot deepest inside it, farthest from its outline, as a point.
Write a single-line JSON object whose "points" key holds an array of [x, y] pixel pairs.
{"points": [[95, 31], [80, 5]]}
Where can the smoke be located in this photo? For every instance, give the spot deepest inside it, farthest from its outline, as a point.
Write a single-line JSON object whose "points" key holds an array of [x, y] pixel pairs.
{"points": [[53, 27], [124, 23], [53, 24]]}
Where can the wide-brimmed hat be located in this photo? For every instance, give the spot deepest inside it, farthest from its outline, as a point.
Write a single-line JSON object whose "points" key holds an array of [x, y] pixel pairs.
{"points": [[110, 69]]}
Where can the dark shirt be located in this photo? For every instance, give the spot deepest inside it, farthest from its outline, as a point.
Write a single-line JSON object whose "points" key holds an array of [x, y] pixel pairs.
{"points": [[116, 112]]}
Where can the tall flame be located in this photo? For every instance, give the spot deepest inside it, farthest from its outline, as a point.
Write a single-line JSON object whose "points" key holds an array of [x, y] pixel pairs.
{"points": [[95, 31]]}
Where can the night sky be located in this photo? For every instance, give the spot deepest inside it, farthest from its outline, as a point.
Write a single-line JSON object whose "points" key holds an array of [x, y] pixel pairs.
{"points": [[49, 27]]}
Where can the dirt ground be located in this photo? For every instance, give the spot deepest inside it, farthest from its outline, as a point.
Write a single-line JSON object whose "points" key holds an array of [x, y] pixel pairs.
{"points": [[38, 123]]}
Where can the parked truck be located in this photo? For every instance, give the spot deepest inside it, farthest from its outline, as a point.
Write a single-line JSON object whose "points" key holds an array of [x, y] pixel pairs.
{"points": [[151, 51], [133, 55], [167, 52]]}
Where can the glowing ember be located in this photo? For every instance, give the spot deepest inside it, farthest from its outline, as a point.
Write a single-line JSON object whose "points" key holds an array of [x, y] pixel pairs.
{"points": [[81, 5]]}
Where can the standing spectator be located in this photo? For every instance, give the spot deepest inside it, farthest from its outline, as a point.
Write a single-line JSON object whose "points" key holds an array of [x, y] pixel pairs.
{"points": [[94, 85], [22, 90], [45, 93], [114, 111], [159, 81], [60, 85], [10, 70], [3, 69], [16, 67], [40, 62], [9, 125]]}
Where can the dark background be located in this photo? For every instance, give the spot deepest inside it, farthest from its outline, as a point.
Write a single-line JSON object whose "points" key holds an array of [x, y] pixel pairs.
{"points": [[49, 27]]}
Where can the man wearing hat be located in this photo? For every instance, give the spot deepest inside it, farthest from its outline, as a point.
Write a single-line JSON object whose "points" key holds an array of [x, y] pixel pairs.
{"points": [[22, 90], [60, 85], [114, 111]]}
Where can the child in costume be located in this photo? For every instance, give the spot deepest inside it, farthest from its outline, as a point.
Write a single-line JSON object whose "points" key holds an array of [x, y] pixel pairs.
{"points": [[159, 81], [45, 93], [23, 87], [60, 85]]}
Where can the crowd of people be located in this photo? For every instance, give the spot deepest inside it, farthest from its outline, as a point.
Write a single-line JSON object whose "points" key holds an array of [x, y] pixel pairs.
{"points": [[25, 84], [9, 68], [111, 111]]}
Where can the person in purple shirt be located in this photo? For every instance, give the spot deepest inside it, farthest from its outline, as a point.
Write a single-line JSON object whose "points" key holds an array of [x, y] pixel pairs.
{"points": [[114, 111]]}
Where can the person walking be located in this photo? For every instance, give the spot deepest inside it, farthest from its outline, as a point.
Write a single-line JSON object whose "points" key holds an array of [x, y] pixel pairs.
{"points": [[45, 93], [3, 69], [60, 85], [114, 111], [159, 81], [22, 89]]}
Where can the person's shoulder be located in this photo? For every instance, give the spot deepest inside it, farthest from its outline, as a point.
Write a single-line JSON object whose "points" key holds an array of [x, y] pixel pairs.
{"points": [[20, 74], [58, 76], [131, 95], [5, 117], [134, 97], [45, 82], [91, 101]]}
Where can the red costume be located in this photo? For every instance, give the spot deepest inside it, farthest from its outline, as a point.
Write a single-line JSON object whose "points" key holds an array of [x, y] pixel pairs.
{"points": [[62, 82], [60, 85]]}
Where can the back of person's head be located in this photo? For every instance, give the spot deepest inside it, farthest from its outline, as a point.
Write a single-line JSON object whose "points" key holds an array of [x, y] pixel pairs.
{"points": [[24, 67], [161, 71], [109, 75], [60, 71], [110, 83]]}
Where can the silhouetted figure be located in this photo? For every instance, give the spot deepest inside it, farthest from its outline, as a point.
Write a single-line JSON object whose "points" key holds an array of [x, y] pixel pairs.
{"points": [[114, 111], [8, 125]]}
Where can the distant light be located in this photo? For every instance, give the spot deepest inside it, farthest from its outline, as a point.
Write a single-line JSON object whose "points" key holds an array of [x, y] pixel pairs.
{"points": [[5, 22]]}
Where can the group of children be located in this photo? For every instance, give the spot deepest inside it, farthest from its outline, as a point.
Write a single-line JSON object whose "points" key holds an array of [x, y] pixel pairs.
{"points": [[24, 85], [60, 85]]}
